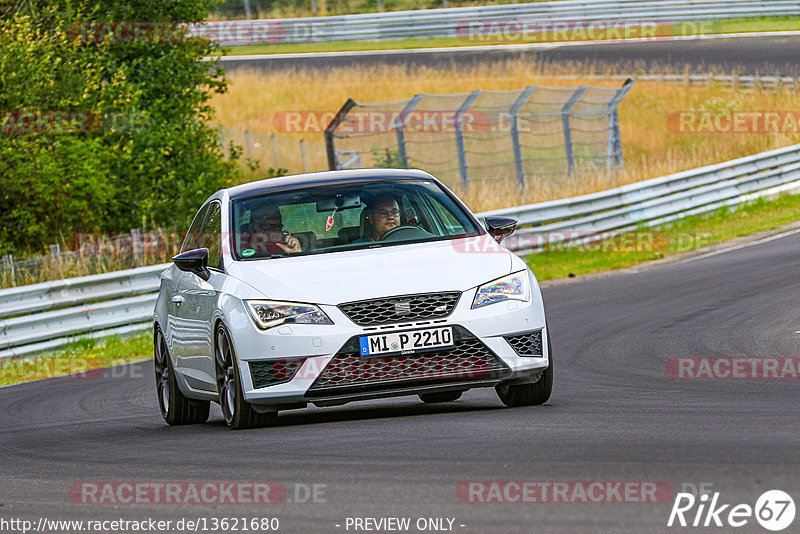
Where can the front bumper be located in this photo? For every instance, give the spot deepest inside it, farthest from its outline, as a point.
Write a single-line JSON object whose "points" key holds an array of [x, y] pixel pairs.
{"points": [[319, 366]]}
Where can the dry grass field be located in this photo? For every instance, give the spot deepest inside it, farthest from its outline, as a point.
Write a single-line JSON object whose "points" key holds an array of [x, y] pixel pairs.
{"points": [[651, 148]]}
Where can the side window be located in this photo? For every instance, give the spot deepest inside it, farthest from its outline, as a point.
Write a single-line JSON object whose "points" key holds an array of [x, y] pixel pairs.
{"points": [[193, 236], [452, 226], [212, 235]]}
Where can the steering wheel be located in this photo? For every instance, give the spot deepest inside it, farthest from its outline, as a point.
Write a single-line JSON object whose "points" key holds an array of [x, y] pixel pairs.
{"points": [[399, 233]]}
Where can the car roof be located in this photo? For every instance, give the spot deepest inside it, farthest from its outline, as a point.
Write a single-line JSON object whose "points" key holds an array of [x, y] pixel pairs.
{"points": [[285, 183]]}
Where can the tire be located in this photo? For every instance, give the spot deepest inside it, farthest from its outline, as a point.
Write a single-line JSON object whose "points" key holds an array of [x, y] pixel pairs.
{"points": [[238, 413], [445, 396], [176, 408], [530, 394]]}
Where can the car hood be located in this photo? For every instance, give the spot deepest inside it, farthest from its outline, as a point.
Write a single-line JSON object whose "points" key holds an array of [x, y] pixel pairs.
{"points": [[339, 277]]}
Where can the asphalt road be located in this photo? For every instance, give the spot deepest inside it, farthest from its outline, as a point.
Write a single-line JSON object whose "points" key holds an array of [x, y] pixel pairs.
{"points": [[615, 416], [747, 55]]}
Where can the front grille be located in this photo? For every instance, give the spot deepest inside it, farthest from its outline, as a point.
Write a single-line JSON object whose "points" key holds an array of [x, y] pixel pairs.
{"points": [[271, 372], [526, 344], [468, 360], [402, 308]]}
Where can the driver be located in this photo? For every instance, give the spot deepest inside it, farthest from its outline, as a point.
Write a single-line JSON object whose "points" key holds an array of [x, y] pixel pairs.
{"points": [[265, 220], [382, 215]]}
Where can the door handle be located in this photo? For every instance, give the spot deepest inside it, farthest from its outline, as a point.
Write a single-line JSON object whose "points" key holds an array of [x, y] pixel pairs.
{"points": [[177, 299]]}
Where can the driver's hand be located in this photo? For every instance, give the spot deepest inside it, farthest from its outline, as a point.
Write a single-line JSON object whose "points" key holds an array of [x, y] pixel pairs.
{"points": [[292, 244]]}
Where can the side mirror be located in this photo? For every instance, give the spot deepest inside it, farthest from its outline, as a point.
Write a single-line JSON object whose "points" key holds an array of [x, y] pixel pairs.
{"points": [[500, 227], [194, 261]]}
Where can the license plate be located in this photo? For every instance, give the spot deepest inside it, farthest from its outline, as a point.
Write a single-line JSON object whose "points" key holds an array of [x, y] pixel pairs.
{"points": [[406, 341]]}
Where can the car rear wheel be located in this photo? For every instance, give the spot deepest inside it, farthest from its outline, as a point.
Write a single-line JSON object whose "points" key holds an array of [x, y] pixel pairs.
{"points": [[238, 413], [530, 394], [445, 396], [176, 408]]}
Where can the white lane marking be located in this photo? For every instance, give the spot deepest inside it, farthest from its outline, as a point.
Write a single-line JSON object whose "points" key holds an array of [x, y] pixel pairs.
{"points": [[743, 245], [509, 47]]}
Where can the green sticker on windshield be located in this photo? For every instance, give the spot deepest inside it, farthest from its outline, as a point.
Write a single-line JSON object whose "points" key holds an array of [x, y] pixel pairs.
{"points": [[248, 252]]}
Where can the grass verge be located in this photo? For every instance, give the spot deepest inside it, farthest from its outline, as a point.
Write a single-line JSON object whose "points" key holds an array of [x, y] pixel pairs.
{"points": [[762, 24], [684, 235], [81, 359]]}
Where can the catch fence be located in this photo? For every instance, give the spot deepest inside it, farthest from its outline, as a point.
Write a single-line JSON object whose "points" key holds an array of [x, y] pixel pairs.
{"points": [[484, 135]]}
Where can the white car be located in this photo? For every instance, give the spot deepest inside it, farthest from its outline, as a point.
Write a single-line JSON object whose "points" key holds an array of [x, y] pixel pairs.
{"points": [[338, 286]]}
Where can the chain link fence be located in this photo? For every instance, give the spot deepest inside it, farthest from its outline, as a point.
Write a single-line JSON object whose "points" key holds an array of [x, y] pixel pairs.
{"points": [[484, 135], [276, 151]]}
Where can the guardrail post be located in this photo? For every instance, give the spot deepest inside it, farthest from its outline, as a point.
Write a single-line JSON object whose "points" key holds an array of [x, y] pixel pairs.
{"points": [[513, 113], [614, 140], [462, 156], [333, 162], [398, 125], [303, 154], [565, 111]]}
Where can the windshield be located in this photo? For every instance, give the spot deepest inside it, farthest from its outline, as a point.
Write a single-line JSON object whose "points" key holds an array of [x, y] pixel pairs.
{"points": [[322, 219]]}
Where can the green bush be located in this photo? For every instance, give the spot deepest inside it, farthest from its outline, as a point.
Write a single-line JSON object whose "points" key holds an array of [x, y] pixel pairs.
{"points": [[149, 154]]}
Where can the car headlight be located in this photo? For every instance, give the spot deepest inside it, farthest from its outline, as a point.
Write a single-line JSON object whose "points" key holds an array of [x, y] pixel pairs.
{"points": [[511, 287], [269, 313]]}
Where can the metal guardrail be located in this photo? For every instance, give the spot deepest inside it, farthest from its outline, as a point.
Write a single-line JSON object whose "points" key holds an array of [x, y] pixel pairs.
{"points": [[90, 306], [653, 202], [448, 22], [697, 79], [76, 307]]}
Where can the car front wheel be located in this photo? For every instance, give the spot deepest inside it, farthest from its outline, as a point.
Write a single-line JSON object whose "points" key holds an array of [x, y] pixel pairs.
{"points": [[238, 413]]}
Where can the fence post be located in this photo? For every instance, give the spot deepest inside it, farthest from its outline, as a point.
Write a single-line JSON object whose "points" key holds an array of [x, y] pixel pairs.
{"points": [[513, 113], [55, 251], [275, 151], [135, 238], [462, 157], [8, 264], [303, 154], [398, 125], [614, 154], [565, 111], [247, 9], [247, 141], [333, 162]]}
